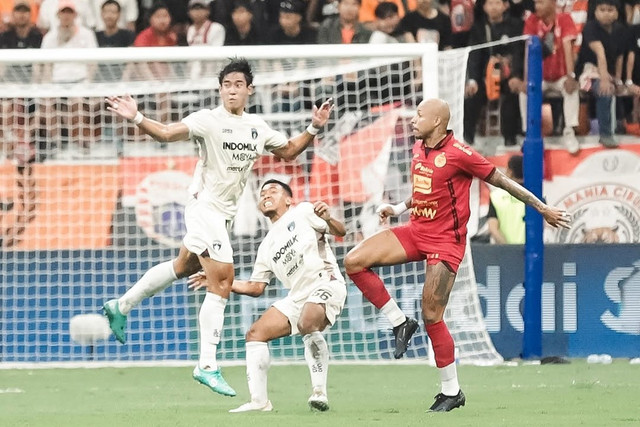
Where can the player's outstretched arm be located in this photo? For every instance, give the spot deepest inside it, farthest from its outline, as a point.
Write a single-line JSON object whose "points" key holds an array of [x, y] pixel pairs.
{"points": [[243, 287], [336, 227], [127, 108], [554, 216], [298, 144]]}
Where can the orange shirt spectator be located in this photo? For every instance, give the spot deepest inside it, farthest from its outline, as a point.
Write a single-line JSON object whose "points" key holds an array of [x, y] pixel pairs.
{"points": [[368, 8], [6, 7]]}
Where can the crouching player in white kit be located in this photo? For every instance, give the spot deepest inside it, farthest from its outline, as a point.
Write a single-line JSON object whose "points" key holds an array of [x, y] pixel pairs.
{"points": [[296, 252]]}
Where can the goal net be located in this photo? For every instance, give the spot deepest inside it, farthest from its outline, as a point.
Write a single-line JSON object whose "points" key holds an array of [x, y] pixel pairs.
{"points": [[89, 204]]}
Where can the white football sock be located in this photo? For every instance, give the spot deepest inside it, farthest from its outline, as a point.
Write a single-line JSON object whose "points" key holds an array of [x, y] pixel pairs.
{"points": [[211, 320], [316, 353], [155, 280], [449, 380], [258, 361], [393, 313]]}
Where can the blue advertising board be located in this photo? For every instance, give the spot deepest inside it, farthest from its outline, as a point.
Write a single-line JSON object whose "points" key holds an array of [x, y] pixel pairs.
{"points": [[590, 298]]}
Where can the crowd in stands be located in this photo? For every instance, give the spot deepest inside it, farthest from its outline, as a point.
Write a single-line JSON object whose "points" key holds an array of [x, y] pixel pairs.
{"points": [[589, 46]]}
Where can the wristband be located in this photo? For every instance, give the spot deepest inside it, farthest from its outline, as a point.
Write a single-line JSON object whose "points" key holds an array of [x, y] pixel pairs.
{"points": [[397, 209], [138, 118], [312, 130]]}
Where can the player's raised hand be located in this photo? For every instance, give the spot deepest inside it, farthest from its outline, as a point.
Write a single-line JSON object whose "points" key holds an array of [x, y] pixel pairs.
{"points": [[320, 116], [124, 106], [322, 210], [197, 281], [557, 217]]}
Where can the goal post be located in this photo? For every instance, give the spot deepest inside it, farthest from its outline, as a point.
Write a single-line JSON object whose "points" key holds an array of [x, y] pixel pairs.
{"points": [[89, 204]]}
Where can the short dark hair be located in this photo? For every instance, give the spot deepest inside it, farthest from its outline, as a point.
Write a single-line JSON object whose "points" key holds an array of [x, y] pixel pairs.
{"points": [[386, 9], [515, 164], [284, 186], [237, 65], [156, 6], [614, 3], [114, 2]]}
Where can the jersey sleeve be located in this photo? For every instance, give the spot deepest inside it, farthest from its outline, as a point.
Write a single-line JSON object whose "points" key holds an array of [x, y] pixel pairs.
{"points": [[261, 269], [530, 26], [474, 164], [197, 123], [274, 139], [315, 221], [567, 26]]}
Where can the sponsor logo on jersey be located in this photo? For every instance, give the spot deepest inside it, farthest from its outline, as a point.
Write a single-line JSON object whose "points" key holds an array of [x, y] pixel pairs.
{"points": [[254, 133], [425, 212], [421, 184], [291, 226], [239, 146], [462, 148], [285, 248], [236, 168], [422, 168], [227, 130], [440, 160]]}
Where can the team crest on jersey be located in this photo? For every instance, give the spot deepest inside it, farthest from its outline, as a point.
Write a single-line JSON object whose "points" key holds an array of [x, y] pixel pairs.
{"points": [[254, 133], [440, 160], [291, 226], [216, 245]]}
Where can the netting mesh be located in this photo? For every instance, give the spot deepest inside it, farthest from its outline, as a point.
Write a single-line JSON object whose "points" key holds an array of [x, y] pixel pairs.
{"points": [[89, 204]]}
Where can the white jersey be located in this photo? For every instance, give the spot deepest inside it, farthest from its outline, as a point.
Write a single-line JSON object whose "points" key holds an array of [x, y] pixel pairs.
{"points": [[228, 146], [296, 252]]}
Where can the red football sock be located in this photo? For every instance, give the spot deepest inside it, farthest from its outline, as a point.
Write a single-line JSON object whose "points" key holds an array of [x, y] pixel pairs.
{"points": [[371, 287], [443, 347]]}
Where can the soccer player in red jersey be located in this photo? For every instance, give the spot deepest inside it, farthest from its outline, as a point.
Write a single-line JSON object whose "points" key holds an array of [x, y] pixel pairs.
{"points": [[442, 170]]}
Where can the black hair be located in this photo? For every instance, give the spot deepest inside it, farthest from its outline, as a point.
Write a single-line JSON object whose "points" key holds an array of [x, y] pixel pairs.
{"points": [[284, 186], [515, 164], [237, 65], [385, 9], [114, 2], [156, 6], [614, 3]]}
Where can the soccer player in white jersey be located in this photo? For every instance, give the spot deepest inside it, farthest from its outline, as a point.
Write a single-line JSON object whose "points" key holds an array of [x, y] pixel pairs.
{"points": [[296, 252], [229, 141]]}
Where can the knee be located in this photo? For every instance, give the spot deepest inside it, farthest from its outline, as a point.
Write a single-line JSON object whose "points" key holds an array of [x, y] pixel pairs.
{"points": [[306, 327], [353, 262], [254, 334], [185, 267], [432, 311]]}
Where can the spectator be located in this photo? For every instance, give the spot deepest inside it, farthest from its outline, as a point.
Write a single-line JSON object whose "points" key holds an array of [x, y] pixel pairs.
{"points": [[112, 34], [368, 8], [558, 33], [48, 17], [632, 83], [344, 28], [243, 30], [319, 10], [159, 32], [21, 33], [127, 16], [505, 59], [291, 28], [385, 26], [202, 31], [506, 213], [600, 64], [427, 24], [6, 12], [69, 35]]}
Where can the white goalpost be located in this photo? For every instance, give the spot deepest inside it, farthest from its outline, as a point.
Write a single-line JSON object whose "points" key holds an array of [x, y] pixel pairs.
{"points": [[89, 204]]}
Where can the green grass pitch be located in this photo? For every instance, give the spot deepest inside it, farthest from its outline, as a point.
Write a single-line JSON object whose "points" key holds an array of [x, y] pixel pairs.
{"points": [[577, 394]]}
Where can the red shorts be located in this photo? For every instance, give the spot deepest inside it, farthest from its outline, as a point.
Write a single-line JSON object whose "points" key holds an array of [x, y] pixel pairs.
{"points": [[418, 248]]}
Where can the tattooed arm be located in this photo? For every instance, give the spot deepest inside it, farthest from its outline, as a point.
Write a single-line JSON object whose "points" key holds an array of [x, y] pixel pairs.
{"points": [[555, 217]]}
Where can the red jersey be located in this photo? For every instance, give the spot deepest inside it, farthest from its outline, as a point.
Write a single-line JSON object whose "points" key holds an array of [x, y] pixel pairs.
{"points": [[441, 179], [563, 28], [148, 38]]}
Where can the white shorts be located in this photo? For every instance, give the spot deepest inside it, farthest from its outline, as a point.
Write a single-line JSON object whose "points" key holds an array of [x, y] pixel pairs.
{"points": [[207, 230], [331, 294]]}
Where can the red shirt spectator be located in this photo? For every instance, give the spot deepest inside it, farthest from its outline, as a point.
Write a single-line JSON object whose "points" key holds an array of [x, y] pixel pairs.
{"points": [[552, 34], [159, 33]]}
